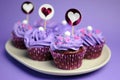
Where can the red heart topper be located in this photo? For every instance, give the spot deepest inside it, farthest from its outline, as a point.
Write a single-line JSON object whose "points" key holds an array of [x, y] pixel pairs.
{"points": [[46, 11], [73, 17]]}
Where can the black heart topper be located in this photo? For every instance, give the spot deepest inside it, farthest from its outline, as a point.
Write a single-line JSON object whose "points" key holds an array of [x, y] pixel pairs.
{"points": [[73, 17], [27, 7]]}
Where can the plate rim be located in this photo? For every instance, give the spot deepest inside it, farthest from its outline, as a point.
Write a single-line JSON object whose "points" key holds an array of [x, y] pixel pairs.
{"points": [[61, 74]]}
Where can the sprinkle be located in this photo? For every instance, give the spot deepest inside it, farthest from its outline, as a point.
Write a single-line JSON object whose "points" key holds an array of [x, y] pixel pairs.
{"points": [[89, 34], [82, 30], [23, 25], [59, 43], [30, 28], [76, 37], [60, 38], [67, 39], [97, 31]]}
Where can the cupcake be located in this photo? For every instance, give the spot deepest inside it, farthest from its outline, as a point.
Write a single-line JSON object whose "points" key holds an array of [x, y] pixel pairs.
{"points": [[18, 34], [94, 41], [38, 43], [67, 51]]}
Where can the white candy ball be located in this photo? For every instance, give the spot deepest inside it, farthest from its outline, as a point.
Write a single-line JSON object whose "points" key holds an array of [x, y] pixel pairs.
{"points": [[89, 28], [67, 33], [41, 28], [64, 22], [25, 22]]}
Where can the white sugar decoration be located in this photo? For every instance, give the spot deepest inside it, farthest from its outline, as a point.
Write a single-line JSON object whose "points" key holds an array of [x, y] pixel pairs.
{"points": [[41, 28], [89, 28], [67, 33], [25, 22], [64, 22]]}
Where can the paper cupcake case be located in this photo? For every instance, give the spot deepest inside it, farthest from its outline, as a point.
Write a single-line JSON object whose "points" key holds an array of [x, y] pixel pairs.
{"points": [[93, 52], [18, 42], [40, 54], [68, 61]]}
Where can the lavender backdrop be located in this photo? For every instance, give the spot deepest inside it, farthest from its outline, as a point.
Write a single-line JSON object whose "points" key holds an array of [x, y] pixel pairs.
{"points": [[101, 14]]}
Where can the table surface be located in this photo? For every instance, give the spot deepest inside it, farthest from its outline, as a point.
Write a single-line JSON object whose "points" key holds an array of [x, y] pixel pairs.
{"points": [[101, 14]]}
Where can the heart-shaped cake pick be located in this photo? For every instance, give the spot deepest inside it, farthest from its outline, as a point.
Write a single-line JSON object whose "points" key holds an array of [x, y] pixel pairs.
{"points": [[46, 12], [73, 17], [27, 7]]}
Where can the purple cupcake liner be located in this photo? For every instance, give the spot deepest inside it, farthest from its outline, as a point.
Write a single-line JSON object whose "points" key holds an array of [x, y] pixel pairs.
{"points": [[68, 61], [18, 42], [40, 54], [93, 52]]}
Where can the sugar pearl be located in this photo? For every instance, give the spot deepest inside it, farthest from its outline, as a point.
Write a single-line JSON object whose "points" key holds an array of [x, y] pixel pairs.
{"points": [[67, 33], [25, 22], [41, 28], [64, 22], [89, 28]]}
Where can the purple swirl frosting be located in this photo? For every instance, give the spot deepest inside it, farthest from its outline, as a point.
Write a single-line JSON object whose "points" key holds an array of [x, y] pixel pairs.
{"points": [[66, 41], [38, 38], [91, 37], [56, 28], [21, 28], [61, 28], [50, 25]]}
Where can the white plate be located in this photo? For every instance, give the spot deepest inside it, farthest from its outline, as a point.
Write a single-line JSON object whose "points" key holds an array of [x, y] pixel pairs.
{"points": [[48, 67]]}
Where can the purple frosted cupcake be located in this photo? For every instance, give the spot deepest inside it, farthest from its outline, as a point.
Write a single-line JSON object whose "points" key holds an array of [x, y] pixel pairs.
{"points": [[38, 43], [67, 51], [94, 41], [18, 34]]}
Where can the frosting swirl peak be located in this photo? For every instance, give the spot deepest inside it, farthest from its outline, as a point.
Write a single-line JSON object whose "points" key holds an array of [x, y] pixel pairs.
{"points": [[21, 28], [91, 37], [37, 37]]}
